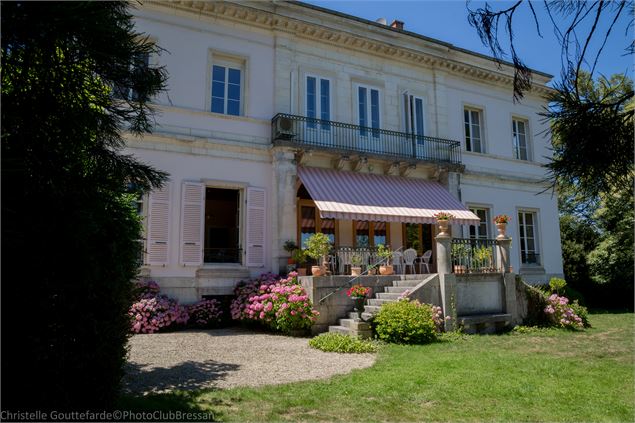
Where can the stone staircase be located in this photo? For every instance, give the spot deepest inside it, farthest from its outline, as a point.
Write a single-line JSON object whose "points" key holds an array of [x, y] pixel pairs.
{"points": [[355, 327]]}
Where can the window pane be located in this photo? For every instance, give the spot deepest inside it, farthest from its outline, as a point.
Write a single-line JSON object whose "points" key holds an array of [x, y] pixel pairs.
{"points": [[529, 218], [234, 76], [374, 111], [233, 92], [307, 223], [521, 127], [327, 227], [419, 115], [476, 132], [468, 138], [362, 234], [380, 233], [218, 105], [218, 74], [477, 145], [363, 109], [325, 106], [233, 107], [475, 117], [218, 89], [466, 117]]}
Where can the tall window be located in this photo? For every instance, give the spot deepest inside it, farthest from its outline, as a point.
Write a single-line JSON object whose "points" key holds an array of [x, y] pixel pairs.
{"points": [[310, 222], [226, 89], [473, 131], [318, 101], [414, 115], [481, 230], [368, 110], [519, 139], [528, 240]]}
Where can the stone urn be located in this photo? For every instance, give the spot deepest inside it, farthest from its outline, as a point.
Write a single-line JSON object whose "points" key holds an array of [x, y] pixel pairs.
{"points": [[359, 305], [443, 227], [318, 270], [385, 269], [501, 228]]}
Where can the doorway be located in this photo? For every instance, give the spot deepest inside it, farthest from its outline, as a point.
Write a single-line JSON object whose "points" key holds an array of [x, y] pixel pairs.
{"points": [[222, 226]]}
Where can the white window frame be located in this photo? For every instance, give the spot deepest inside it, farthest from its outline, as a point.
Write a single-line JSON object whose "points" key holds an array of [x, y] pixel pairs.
{"points": [[516, 140], [522, 241], [318, 97], [481, 127], [369, 114], [488, 214], [227, 63]]}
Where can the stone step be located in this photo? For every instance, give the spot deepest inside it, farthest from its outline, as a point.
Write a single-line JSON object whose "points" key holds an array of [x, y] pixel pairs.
{"points": [[339, 329], [388, 295], [365, 315], [410, 282], [379, 301], [397, 289], [354, 324], [371, 309]]}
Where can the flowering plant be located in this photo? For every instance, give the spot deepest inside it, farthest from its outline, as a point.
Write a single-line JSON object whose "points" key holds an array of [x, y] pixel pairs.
{"points": [[561, 314], [153, 313], [444, 216], [359, 291], [281, 304], [205, 313], [502, 218]]}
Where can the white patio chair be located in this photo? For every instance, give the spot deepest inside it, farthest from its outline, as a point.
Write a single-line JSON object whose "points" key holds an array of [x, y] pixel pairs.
{"points": [[425, 260], [397, 262], [409, 257]]}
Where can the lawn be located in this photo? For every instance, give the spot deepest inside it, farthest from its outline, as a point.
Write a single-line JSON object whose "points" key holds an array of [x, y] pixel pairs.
{"points": [[543, 375]]}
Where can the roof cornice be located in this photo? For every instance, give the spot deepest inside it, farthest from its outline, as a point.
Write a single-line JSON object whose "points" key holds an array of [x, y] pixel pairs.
{"points": [[277, 16]]}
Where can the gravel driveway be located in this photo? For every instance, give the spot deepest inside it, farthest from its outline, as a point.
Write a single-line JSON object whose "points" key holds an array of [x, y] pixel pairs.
{"points": [[226, 358]]}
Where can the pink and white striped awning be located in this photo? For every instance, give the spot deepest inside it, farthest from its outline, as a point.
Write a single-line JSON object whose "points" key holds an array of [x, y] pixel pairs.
{"points": [[363, 196]]}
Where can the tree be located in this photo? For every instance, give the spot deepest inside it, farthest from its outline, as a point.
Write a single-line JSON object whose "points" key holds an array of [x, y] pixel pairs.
{"points": [[69, 227]]}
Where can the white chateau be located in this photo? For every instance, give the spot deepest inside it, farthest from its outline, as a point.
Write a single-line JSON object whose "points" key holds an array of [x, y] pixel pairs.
{"points": [[283, 119]]}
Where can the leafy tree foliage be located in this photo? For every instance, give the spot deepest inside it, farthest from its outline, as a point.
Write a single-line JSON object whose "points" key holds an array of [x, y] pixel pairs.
{"points": [[69, 226]]}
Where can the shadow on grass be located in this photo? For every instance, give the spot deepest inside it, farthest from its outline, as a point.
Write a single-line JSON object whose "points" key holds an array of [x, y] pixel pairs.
{"points": [[186, 376]]}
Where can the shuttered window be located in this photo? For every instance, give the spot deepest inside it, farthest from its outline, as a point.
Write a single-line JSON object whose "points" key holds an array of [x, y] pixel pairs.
{"points": [[158, 227], [256, 224], [192, 212]]}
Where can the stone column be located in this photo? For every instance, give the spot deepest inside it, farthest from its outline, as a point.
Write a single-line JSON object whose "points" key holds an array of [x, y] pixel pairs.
{"points": [[444, 257], [284, 207], [503, 246]]}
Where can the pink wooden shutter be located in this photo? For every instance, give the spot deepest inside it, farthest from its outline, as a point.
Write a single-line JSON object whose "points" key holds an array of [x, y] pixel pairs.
{"points": [[256, 225], [158, 227], [192, 213]]}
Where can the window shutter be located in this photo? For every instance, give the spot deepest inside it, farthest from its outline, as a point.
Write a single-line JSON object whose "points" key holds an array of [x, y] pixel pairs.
{"points": [[192, 213], [256, 224], [158, 226]]}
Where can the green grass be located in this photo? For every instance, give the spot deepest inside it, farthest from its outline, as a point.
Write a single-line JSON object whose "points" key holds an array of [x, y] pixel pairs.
{"points": [[541, 375]]}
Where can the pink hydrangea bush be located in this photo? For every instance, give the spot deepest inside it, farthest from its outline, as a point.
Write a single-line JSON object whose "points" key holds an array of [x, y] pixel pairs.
{"points": [[151, 314], [561, 314], [146, 289], [205, 313], [281, 304]]}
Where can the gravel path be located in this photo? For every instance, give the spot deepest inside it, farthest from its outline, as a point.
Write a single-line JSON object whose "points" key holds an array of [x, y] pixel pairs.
{"points": [[226, 358]]}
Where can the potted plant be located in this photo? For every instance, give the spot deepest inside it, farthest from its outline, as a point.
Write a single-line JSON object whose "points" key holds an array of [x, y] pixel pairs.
{"points": [[358, 294], [386, 254], [501, 225], [299, 256], [356, 262], [317, 246], [460, 253], [443, 220], [372, 269], [290, 246]]}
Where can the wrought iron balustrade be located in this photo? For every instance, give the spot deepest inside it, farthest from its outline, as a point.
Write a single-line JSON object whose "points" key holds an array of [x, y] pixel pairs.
{"points": [[474, 256], [354, 139]]}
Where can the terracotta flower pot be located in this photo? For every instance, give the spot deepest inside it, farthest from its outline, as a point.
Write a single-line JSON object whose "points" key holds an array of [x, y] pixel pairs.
{"points": [[385, 270], [317, 271], [443, 227], [501, 227], [356, 270]]}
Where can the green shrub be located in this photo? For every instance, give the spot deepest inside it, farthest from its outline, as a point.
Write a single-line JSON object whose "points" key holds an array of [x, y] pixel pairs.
{"points": [[536, 303], [405, 322], [557, 285], [582, 313], [337, 342]]}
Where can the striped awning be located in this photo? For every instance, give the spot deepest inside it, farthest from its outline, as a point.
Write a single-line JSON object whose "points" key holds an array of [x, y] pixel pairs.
{"points": [[363, 196]]}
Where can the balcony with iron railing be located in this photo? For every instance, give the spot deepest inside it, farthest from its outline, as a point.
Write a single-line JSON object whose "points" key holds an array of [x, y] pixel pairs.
{"points": [[345, 138]]}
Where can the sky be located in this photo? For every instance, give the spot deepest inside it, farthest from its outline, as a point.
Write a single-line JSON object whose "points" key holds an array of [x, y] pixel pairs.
{"points": [[447, 21]]}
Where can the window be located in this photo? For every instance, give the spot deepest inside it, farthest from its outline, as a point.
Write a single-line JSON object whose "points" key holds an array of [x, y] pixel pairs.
{"points": [[414, 115], [519, 139], [368, 110], [473, 131], [226, 89], [310, 222], [318, 101], [482, 230], [370, 234], [418, 236], [528, 239]]}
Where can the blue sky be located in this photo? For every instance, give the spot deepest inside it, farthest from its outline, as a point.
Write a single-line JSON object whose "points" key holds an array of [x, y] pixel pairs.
{"points": [[447, 21]]}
